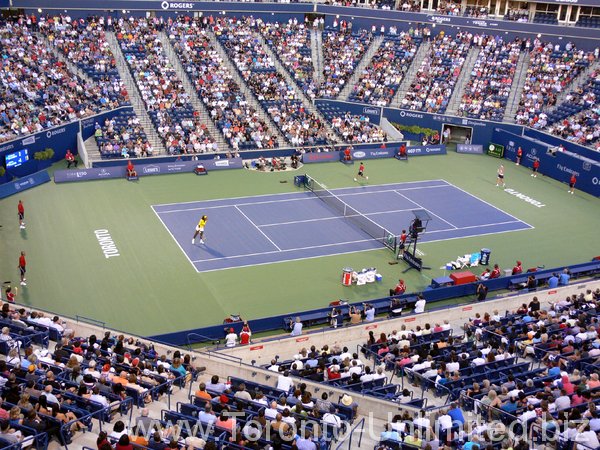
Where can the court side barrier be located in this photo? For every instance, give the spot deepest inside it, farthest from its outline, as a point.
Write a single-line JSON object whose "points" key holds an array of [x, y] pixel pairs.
{"points": [[160, 168], [383, 305], [22, 184]]}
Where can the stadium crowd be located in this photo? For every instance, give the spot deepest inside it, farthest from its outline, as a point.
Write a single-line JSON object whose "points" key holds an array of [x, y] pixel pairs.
{"points": [[552, 68], [436, 78], [299, 127], [380, 79], [488, 88], [342, 51], [161, 89], [39, 91], [239, 122]]}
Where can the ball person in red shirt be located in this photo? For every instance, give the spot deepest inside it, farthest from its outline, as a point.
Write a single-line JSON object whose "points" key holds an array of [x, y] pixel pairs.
{"points": [[535, 167], [572, 182], [21, 211], [519, 155], [361, 172], [22, 268]]}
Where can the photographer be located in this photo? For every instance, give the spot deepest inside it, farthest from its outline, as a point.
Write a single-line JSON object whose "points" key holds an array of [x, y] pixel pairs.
{"points": [[369, 312]]}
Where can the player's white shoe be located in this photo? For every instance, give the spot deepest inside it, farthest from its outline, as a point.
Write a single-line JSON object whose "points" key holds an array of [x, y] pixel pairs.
{"points": [[193, 241], [201, 241], [23, 283]]}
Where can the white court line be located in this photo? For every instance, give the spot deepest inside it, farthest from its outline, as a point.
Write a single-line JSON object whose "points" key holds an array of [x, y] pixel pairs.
{"points": [[286, 250], [255, 226], [473, 226], [354, 251], [489, 204], [290, 260], [288, 193], [430, 212], [180, 248], [350, 194], [333, 217]]}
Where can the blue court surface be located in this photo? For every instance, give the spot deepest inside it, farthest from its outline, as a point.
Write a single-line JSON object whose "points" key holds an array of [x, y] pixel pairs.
{"points": [[265, 229]]}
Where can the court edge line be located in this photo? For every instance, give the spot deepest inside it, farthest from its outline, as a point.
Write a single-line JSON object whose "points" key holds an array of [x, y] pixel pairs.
{"points": [[256, 226], [283, 251], [365, 240], [489, 204], [288, 193], [291, 260], [354, 251], [177, 242], [430, 212]]}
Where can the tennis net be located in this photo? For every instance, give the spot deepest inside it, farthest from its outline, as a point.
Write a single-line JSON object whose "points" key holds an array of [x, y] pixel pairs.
{"points": [[373, 229]]}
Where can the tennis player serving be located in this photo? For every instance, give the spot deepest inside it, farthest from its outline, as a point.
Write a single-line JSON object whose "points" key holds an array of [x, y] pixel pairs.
{"points": [[200, 230]]}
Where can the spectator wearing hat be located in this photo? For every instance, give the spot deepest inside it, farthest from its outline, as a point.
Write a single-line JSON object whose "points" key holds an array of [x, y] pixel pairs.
{"points": [[399, 289], [349, 402], [245, 334], [496, 272], [231, 338]]}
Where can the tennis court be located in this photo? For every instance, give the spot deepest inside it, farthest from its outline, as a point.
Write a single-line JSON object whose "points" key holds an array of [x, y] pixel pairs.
{"points": [[249, 231]]}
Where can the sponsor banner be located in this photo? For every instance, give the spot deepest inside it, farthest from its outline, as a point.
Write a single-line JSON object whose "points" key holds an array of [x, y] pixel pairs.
{"points": [[373, 154], [420, 150], [495, 150], [22, 184], [320, 157], [469, 148], [100, 173]]}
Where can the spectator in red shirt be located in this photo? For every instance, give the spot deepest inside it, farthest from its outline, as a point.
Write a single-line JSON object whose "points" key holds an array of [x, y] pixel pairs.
{"points": [[496, 272], [517, 269], [399, 289], [22, 268], [10, 295], [245, 335], [21, 211]]}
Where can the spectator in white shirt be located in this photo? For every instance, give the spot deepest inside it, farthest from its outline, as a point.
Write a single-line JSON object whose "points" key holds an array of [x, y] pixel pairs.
{"points": [[284, 382], [420, 305]]}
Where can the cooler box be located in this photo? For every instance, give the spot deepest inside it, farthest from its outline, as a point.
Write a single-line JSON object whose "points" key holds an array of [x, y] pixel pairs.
{"points": [[463, 278], [347, 276], [485, 256], [378, 277]]}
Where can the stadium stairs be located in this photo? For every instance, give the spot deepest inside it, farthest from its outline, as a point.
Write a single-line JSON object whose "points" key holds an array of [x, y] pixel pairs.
{"points": [[192, 93], [364, 62], [462, 81], [250, 97], [421, 54], [308, 105], [134, 96], [316, 50], [514, 98]]}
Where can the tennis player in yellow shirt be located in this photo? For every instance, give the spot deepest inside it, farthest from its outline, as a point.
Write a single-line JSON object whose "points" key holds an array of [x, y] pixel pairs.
{"points": [[200, 230]]}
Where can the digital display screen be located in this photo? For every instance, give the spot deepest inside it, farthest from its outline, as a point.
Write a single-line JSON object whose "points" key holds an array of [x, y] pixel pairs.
{"points": [[17, 158]]}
